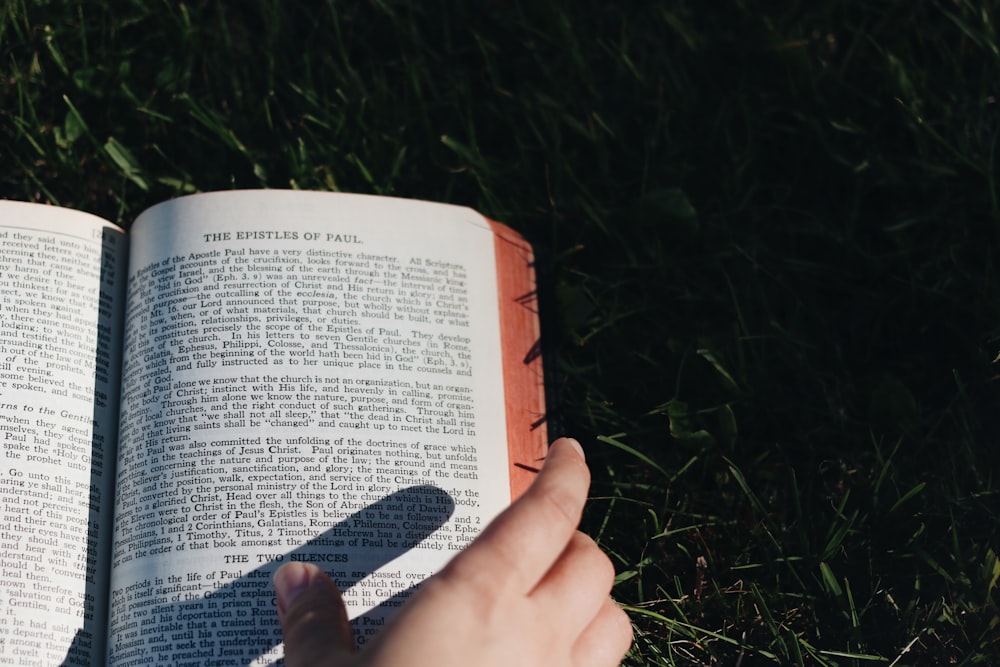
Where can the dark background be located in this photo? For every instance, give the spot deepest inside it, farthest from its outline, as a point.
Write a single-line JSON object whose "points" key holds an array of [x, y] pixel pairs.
{"points": [[767, 232]]}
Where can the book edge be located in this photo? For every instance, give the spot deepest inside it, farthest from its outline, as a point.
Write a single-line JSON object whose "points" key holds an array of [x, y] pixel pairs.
{"points": [[520, 342]]}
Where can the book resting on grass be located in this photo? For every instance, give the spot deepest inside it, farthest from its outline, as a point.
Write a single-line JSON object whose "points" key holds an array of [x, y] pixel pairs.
{"points": [[244, 379]]}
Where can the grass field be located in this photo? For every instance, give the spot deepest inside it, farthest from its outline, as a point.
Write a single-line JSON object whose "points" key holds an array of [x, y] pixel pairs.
{"points": [[769, 238]]}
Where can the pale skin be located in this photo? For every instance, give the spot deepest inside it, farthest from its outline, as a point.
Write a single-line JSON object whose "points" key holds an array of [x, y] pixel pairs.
{"points": [[530, 591]]}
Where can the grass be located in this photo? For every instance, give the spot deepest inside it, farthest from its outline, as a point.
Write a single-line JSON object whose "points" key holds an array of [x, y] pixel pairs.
{"points": [[769, 237]]}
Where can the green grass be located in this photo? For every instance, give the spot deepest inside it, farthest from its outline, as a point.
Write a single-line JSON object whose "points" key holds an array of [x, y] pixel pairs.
{"points": [[769, 234]]}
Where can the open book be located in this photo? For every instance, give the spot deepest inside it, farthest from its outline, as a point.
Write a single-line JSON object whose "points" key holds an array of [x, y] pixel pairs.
{"points": [[244, 379]]}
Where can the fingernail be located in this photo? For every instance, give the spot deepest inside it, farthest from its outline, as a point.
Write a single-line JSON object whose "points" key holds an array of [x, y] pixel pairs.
{"points": [[289, 582], [577, 446]]}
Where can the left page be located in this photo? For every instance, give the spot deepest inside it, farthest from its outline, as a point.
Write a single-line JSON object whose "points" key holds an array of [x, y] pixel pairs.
{"points": [[62, 278]]}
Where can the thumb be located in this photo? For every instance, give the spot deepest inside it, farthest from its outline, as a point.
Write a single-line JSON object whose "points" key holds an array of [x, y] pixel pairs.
{"points": [[313, 618]]}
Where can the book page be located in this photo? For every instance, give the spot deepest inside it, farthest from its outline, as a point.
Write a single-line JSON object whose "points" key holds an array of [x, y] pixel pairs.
{"points": [[61, 278], [309, 376]]}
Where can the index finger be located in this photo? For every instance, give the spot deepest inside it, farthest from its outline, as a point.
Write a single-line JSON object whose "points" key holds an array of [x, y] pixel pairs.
{"points": [[522, 543]]}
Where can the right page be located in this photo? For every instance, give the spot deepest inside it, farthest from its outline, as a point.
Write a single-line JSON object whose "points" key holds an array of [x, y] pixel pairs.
{"points": [[311, 376]]}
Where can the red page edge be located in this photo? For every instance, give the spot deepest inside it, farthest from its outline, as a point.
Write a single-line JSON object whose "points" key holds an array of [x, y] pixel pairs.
{"points": [[520, 342]]}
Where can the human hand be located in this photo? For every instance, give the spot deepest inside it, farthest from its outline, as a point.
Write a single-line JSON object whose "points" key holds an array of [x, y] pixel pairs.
{"points": [[531, 590]]}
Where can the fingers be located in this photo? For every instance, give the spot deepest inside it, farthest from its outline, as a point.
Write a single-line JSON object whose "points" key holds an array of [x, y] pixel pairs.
{"points": [[521, 544], [313, 618], [606, 639], [577, 585]]}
